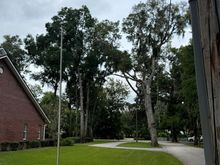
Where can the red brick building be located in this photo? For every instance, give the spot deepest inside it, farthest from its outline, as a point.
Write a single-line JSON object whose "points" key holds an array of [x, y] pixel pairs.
{"points": [[21, 117]]}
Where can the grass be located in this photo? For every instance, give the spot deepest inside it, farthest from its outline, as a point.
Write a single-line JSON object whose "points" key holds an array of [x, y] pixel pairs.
{"points": [[136, 144], [86, 155], [98, 141]]}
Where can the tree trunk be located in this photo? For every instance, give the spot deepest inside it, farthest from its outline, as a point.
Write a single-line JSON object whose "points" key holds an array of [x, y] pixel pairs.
{"points": [[174, 134], [82, 128], [76, 123], [195, 130], [55, 89], [92, 113], [149, 112], [87, 111]]}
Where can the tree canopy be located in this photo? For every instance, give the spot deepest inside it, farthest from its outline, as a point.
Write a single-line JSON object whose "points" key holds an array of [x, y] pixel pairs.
{"points": [[95, 106]]}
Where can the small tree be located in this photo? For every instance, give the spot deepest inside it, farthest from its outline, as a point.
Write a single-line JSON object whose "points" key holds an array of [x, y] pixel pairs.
{"points": [[111, 103]]}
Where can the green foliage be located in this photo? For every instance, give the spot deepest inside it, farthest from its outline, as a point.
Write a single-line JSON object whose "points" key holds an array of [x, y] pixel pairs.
{"points": [[87, 44], [149, 27], [181, 112], [163, 134], [9, 146], [88, 47], [189, 90], [111, 102], [69, 141], [36, 91], [13, 47], [49, 103], [129, 122], [14, 146], [48, 143], [69, 123], [4, 146], [76, 139], [35, 144], [173, 117]]}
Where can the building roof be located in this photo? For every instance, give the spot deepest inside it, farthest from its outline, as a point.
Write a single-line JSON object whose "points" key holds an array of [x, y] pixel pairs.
{"points": [[3, 56]]}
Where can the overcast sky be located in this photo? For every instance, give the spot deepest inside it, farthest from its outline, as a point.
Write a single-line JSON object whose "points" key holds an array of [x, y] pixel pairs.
{"points": [[29, 16], [22, 17]]}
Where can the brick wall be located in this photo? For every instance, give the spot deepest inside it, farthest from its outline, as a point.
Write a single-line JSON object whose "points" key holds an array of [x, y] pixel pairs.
{"points": [[16, 110]]}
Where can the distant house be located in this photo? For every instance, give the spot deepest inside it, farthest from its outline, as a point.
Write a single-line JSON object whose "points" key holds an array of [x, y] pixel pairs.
{"points": [[21, 117]]}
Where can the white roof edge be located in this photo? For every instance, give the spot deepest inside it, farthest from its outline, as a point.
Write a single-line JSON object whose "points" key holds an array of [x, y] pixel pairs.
{"points": [[1, 57], [25, 87]]}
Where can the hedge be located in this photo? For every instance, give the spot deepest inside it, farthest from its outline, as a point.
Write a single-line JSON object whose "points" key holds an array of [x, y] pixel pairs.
{"points": [[14, 146]]}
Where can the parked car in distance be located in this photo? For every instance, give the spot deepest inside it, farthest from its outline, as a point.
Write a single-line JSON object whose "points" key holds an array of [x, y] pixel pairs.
{"points": [[201, 138], [192, 139]]}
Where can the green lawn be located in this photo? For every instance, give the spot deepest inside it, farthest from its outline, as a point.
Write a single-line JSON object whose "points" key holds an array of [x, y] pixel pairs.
{"points": [[136, 144], [85, 155]]}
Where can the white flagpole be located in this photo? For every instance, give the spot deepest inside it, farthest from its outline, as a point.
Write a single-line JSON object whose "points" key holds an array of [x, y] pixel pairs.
{"points": [[59, 111]]}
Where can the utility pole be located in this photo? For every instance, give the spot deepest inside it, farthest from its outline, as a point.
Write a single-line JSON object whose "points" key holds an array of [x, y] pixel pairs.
{"points": [[59, 111], [206, 39], [136, 124]]}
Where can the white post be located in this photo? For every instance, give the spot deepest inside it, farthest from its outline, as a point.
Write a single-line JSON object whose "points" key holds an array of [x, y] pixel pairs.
{"points": [[59, 111], [44, 131]]}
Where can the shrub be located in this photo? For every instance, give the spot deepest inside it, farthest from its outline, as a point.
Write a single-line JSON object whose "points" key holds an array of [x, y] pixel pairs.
{"points": [[13, 146], [26, 144], [35, 144], [139, 138], [76, 139], [86, 140], [48, 143], [23, 145], [162, 134], [119, 136], [9, 146], [4, 146], [69, 141]]}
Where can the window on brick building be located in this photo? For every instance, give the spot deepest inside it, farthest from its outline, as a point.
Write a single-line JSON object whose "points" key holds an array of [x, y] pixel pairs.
{"points": [[39, 132], [25, 132]]}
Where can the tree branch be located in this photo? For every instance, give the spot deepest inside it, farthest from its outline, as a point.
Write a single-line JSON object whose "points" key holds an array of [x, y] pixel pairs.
{"points": [[127, 77]]}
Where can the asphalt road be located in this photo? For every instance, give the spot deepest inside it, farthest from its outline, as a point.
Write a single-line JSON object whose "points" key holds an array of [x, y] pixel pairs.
{"points": [[187, 154]]}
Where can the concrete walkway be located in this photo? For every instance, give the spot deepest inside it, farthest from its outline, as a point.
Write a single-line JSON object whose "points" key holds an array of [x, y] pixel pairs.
{"points": [[114, 145], [187, 154]]}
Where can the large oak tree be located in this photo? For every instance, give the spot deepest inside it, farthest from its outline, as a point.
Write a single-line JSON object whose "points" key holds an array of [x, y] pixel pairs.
{"points": [[150, 28]]}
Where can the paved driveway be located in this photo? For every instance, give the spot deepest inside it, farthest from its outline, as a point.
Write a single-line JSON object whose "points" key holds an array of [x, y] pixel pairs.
{"points": [[187, 154]]}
